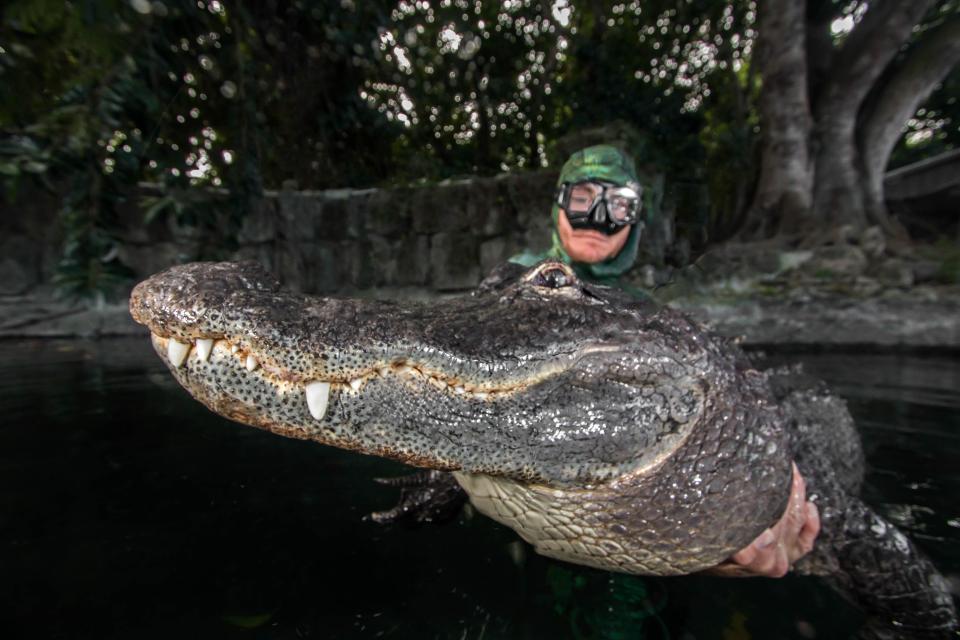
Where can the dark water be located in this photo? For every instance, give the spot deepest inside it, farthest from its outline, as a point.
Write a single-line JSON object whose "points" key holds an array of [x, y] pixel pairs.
{"points": [[129, 511]]}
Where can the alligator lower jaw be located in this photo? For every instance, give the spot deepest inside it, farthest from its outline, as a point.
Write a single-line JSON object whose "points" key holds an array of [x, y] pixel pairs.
{"points": [[317, 391]]}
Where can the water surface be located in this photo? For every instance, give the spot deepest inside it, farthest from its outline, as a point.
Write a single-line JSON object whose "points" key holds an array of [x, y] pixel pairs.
{"points": [[127, 510]]}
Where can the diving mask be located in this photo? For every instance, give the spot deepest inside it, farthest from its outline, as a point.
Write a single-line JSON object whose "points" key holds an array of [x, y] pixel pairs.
{"points": [[600, 205]]}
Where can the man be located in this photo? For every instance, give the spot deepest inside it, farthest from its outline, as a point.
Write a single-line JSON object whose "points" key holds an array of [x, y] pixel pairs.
{"points": [[596, 213], [598, 234]]}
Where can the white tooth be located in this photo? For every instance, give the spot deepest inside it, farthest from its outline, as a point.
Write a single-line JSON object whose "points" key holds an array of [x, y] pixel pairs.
{"points": [[407, 370], [318, 393], [204, 347], [481, 396], [459, 389], [177, 352], [234, 348], [251, 363], [384, 371], [355, 384]]}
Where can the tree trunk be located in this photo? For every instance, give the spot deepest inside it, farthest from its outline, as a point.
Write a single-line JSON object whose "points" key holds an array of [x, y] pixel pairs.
{"points": [[783, 196], [911, 83], [839, 183]]}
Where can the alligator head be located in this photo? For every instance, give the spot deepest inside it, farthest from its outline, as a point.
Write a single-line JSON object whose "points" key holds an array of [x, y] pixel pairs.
{"points": [[605, 430]]}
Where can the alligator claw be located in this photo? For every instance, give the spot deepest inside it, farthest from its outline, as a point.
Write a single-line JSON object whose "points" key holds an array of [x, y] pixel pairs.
{"points": [[425, 496]]}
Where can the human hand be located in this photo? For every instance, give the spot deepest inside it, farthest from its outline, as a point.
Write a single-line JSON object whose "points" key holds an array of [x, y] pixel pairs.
{"points": [[775, 550]]}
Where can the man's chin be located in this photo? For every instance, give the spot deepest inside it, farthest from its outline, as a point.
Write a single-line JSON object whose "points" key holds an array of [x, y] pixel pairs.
{"points": [[590, 253], [588, 235], [590, 246]]}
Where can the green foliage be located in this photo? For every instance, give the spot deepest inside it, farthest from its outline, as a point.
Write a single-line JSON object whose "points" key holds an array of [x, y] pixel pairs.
{"points": [[729, 138], [607, 606], [487, 87], [90, 266], [945, 253], [206, 97], [174, 92]]}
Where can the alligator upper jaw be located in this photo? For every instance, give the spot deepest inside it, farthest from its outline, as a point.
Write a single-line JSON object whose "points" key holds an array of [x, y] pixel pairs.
{"points": [[392, 380], [316, 391], [322, 344], [341, 342]]}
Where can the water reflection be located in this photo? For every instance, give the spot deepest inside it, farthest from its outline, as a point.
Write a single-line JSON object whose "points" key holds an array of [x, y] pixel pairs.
{"points": [[128, 510]]}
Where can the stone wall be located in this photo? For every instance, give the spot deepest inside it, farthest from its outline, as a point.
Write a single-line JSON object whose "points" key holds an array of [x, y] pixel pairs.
{"points": [[30, 242], [435, 238], [440, 238]]}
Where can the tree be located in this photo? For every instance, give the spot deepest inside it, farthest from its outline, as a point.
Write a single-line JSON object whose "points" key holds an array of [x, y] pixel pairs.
{"points": [[100, 95], [839, 85]]}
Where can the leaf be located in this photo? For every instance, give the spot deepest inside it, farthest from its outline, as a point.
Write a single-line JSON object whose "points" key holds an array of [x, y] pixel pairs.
{"points": [[155, 206], [33, 166], [21, 50]]}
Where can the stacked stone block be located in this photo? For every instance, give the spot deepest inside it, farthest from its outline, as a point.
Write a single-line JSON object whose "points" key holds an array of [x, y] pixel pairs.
{"points": [[441, 237], [434, 238]]}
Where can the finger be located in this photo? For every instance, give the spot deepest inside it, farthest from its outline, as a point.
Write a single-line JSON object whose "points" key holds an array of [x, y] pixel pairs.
{"points": [[781, 565], [810, 531], [748, 555], [745, 556], [766, 562], [813, 518], [798, 494], [765, 548], [796, 514]]}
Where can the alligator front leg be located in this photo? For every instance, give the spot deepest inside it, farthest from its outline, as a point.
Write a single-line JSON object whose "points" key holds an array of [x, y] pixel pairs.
{"points": [[425, 496]]}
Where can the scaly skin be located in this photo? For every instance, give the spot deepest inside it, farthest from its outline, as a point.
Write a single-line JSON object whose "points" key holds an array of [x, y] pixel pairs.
{"points": [[606, 431]]}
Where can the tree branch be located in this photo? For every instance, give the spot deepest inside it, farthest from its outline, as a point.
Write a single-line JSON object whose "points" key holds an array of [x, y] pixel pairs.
{"points": [[861, 61], [869, 48], [911, 83]]}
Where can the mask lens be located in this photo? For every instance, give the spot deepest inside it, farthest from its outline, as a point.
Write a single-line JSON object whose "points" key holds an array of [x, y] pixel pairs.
{"points": [[619, 209], [622, 205], [582, 196], [599, 205]]}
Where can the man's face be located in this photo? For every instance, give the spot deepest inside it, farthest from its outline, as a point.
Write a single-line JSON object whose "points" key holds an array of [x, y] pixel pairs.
{"points": [[587, 245]]}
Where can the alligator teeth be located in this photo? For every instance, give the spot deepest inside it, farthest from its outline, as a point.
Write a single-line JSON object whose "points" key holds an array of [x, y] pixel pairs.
{"points": [[481, 395], [459, 389], [251, 363], [204, 347], [356, 384], [318, 393], [234, 348], [177, 352]]}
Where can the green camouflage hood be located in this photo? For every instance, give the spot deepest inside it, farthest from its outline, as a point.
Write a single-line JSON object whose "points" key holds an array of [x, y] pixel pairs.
{"points": [[601, 162]]}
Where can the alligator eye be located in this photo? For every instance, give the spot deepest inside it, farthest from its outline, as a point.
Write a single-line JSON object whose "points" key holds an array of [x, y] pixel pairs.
{"points": [[553, 277]]}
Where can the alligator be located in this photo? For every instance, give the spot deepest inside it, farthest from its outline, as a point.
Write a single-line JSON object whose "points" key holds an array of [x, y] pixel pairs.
{"points": [[605, 430]]}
